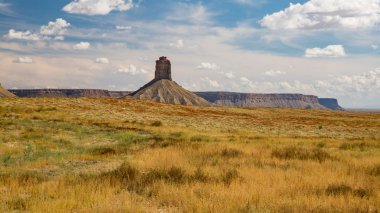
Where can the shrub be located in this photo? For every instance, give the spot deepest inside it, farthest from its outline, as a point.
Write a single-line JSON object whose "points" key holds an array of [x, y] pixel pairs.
{"points": [[362, 193], [230, 176], [176, 175], [156, 123], [338, 189], [299, 153], [199, 138], [351, 146], [231, 153], [17, 203], [200, 176], [375, 171], [103, 151]]}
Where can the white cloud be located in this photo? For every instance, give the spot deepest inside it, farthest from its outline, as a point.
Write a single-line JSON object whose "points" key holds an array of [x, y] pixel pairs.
{"points": [[329, 51], [212, 83], [102, 60], [229, 75], [325, 14], [178, 44], [132, 70], [273, 73], [375, 46], [82, 46], [25, 60], [97, 7], [27, 35], [251, 2], [54, 30], [208, 66], [123, 27], [195, 13]]}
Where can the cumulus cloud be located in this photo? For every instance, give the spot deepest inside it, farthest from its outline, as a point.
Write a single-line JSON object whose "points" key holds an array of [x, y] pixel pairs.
{"points": [[97, 7], [26, 35], [178, 44], [329, 51], [54, 30], [375, 46], [367, 83], [82, 46], [132, 70], [212, 83], [322, 15], [208, 66], [102, 60], [24, 60], [123, 27], [273, 73]]}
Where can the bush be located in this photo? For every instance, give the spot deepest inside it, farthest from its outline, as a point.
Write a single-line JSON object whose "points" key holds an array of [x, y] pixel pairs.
{"points": [[362, 193], [338, 189], [156, 123], [231, 153], [199, 138], [375, 171], [103, 151], [351, 146], [298, 153], [176, 175], [230, 176]]}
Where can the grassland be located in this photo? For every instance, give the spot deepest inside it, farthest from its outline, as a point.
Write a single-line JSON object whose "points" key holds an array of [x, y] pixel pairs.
{"points": [[108, 155]]}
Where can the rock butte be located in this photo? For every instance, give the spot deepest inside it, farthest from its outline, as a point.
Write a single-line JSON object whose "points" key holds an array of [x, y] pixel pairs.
{"points": [[164, 90], [5, 93]]}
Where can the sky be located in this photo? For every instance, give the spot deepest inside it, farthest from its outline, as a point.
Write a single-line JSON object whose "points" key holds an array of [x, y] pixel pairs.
{"points": [[328, 48]]}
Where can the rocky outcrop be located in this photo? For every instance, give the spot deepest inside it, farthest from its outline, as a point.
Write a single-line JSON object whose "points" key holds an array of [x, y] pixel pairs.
{"points": [[330, 103], [5, 93], [164, 90], [163, 69], [68, 93], [262, 100]]}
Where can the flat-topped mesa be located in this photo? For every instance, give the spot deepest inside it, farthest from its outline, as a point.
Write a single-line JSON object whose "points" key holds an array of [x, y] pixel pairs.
{"points": [[163, 69]]}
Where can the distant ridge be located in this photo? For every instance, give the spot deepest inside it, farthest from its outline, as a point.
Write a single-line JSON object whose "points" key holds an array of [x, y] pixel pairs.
{"points": [[164, 90], [5, 93]]}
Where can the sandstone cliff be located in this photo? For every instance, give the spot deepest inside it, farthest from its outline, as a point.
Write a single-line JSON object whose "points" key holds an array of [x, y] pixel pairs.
{"points": [[218, 98], [262, 100], [66, 93], [330, 103]]}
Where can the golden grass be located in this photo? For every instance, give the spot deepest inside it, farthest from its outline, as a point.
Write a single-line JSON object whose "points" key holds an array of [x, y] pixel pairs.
{"points": [[124, 155]]}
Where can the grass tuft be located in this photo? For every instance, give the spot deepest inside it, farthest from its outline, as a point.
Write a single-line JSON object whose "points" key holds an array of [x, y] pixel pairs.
{"points": [[338, 189], [299, 153]]}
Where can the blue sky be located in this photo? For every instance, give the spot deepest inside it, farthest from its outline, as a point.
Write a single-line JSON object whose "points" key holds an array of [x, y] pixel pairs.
{"points": [[328, 48]]}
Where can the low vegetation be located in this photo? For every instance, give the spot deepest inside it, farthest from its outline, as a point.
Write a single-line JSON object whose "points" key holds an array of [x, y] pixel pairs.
{"points": [[114, 155]]}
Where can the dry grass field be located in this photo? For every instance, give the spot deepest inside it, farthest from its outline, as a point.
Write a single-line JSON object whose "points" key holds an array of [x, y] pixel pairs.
{"points": [[114, 155]]}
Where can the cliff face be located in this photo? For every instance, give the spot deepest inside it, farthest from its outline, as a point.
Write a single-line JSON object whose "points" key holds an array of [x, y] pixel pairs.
{"points": [[262, 100], [330, 103], [68, 93], [217, 98]]}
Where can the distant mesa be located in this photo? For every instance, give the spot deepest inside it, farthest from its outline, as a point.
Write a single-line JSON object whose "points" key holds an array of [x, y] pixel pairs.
{"points": [[5, 93], [164, 90]]}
